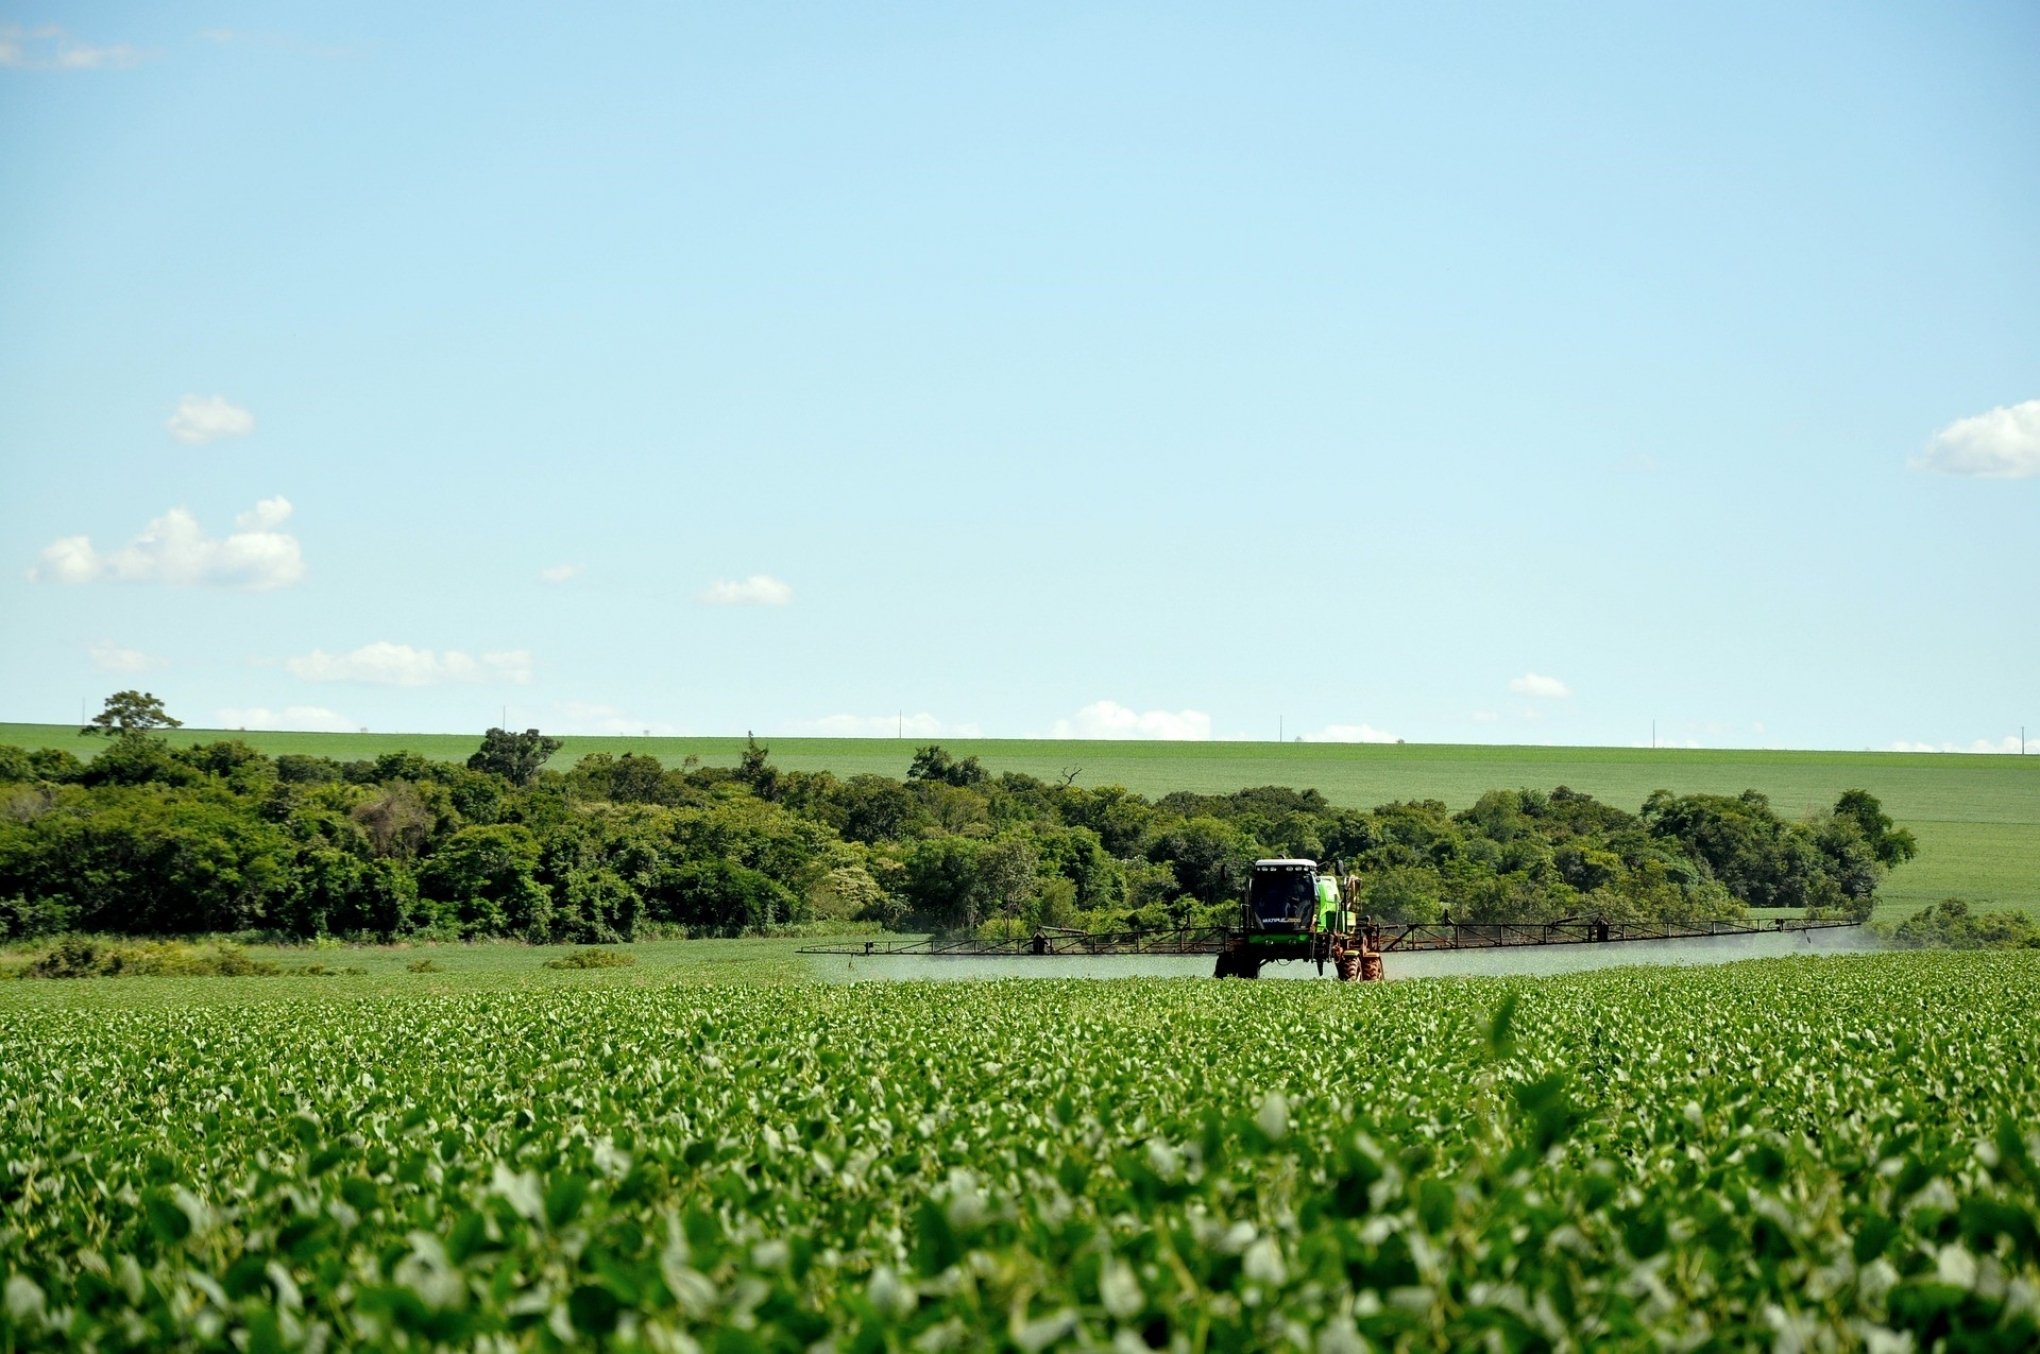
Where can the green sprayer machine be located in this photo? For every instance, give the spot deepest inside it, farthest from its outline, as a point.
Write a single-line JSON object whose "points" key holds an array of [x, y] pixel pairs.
{"points": [[1296, 910]]}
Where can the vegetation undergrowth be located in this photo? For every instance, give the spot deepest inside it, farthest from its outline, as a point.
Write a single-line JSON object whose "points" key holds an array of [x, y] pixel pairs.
{"points": [[593, 958], [1951, 925], [93, 957]]}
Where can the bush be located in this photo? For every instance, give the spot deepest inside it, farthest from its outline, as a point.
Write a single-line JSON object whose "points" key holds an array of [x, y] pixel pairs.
{"points": [[21, 919], [1950, 925], [424, 966], [79, 957], [592, 958]]}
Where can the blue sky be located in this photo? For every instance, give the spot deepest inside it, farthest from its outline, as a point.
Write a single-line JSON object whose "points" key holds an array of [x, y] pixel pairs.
{"points": [[1458, 374]]}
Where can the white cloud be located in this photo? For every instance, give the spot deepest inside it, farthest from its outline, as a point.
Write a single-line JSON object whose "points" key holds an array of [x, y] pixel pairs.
{"points": [[920, 725], [1109, 719], [305, 718], [1484, 716], [559, 573], [2008, 744], [279, 42], [757, 590], [1350, 733], [198, 421], [266, 515], [174, 549], [385, 664], [591, 717], [2003, 444], [1536, 684], [47, 47], [110, 657]]}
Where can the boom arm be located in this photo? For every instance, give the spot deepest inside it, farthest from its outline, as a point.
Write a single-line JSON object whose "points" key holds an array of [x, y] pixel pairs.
{"points": [[1403, 936]]}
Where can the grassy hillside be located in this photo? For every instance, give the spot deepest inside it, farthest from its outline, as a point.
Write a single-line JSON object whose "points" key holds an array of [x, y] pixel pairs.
{"points": [[1977, 817]]}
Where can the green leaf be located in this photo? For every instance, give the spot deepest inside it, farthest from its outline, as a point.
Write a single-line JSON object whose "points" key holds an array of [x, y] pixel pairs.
{"points": [[1501, 1039], [593, 1309], [167, 1218], [563, 1200]]}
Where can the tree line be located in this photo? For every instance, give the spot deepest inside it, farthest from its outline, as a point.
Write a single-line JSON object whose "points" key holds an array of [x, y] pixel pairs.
{"points": [[146, 839]]}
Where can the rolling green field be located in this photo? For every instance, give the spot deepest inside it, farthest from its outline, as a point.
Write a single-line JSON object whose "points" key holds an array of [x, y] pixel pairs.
{"points": [[1808, 1153], [1977, 817]]}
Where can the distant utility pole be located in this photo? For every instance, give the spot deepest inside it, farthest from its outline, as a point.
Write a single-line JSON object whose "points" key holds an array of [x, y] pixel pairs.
{"points": [[1279, 730], [1653, 735]]}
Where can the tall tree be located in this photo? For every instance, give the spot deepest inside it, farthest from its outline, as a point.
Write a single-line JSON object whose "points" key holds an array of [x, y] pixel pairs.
{"points": [[1892, 844], [756, 769], [516, 757], [935, 763], [131, 712]]}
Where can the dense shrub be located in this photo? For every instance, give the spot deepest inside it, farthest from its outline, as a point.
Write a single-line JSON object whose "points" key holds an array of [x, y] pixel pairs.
{"points": [[1950, 925], [82, 957], [592, 959]]}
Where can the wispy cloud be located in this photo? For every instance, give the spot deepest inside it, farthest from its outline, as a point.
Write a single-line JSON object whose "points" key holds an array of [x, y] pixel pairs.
{"points": [[757, 590], [1350, 733], [198, 420], [276, 42], [1540, 686], [110, 657], [306, 718], [2000, 746], [594, 717], [46, 47], [1110, 719], [2003, 444], [918, 725], [559, 573], [386, 664], [175, 550]]}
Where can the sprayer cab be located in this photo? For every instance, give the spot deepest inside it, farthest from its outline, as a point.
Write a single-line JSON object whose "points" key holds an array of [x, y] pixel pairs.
{"points": [[1289, 897]]}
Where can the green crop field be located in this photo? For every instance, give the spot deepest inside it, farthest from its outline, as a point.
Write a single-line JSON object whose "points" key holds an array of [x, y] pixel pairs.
{"points": [[1813, 1153], [1977, 817]]}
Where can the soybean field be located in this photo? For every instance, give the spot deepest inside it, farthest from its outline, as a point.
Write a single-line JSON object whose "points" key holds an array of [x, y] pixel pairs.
{"points": [[1808, 1153]]}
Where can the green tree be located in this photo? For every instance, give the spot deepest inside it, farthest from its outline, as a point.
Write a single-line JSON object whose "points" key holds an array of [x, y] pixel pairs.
{"points": [[874, 809], [1891, 844], [486, 878], [718, 897], [849, 893], [516, 757], [138, 760], [143, 861], [131, 712], [755, 769], [941, 881], [935, 763], [1209, 855]]}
